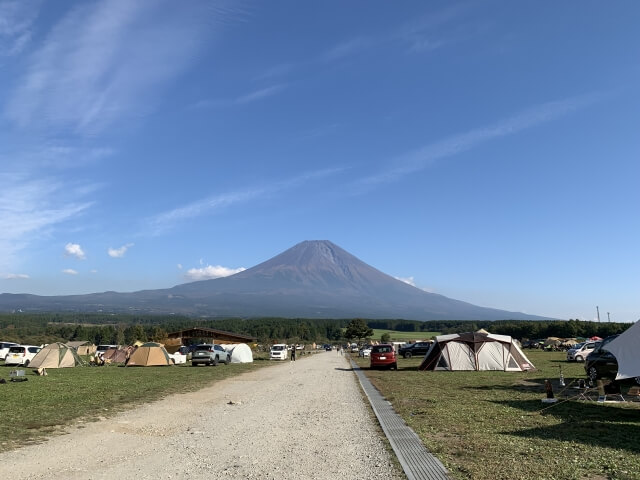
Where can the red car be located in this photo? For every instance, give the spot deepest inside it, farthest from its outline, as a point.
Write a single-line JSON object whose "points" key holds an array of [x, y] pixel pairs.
{"points": [[383, 356]]}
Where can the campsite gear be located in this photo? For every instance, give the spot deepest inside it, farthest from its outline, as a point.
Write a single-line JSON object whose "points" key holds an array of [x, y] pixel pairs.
{"points": [[41, 372], [548, 388], [56, 355], [475, 351], [625, 349], [115, 355], [562, 384], [149, 355]]}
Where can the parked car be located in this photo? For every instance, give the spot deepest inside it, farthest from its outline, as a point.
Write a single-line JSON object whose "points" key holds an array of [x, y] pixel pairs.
{"points": [[601, 363], [414, 349], [101, 349], [278, 352], [21, 355], [209, 354], [383, 356], [4, 349], [365, 351], [580, 351], [328, 347]]}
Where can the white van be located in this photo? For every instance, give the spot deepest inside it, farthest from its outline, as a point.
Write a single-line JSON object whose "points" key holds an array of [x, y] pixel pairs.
{"points": [[278, 352], [580, 351], [21, 355]]}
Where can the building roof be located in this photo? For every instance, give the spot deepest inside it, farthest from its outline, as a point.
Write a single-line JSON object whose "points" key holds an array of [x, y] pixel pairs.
{"points": [[219, 336]]}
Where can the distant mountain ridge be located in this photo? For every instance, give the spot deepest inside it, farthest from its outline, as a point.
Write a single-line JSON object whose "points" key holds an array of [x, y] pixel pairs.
{"points": [[313, 279]]}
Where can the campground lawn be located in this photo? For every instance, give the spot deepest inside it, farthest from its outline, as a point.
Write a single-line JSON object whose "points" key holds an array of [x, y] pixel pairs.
{"points": [[40, 406], [493, 425]]}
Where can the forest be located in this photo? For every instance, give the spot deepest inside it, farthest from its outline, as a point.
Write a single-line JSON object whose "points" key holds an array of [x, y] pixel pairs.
{"points": [[125, 329]]}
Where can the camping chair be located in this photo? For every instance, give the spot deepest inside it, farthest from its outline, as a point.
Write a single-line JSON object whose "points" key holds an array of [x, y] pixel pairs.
{"points": [[634, 394]]}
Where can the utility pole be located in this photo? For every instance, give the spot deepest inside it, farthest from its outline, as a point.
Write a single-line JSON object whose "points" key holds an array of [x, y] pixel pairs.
{"points": [[608, 317], [598, 312]]}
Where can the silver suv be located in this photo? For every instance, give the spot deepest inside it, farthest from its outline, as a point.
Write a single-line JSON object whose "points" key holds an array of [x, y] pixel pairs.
{"points": [[208, 354]]}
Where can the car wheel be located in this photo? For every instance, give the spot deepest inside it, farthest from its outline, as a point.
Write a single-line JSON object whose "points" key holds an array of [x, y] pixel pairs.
{"points": [[592, 373], [579, 358], [407, 355], [215, 361], [228, 360], [26, 364], [394, 366]]}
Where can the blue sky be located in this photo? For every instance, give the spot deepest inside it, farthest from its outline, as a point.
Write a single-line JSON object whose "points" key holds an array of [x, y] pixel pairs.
{"points": [[486, 151]]}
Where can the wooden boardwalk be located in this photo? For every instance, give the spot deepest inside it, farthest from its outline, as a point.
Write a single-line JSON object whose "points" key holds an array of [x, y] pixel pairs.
{"points": [[417, 462]]}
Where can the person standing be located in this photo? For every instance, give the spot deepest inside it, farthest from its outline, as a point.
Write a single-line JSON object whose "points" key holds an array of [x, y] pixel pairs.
{"points": [[293, 353]]}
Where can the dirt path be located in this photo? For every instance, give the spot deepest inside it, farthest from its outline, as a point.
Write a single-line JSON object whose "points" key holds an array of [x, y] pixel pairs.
{"points": [[303, 419]]}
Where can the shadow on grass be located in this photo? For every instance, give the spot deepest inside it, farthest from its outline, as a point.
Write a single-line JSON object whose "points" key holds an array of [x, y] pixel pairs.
{"points": [[344, 369], [588, 423]]}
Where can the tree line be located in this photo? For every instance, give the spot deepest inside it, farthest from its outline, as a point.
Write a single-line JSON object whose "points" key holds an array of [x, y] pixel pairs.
{"points": [[126, 329]]}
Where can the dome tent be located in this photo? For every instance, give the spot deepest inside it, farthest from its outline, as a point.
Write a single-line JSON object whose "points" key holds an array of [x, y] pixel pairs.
{"points": [[149, 355], [240, 353], [475, 351], [56, 355]]}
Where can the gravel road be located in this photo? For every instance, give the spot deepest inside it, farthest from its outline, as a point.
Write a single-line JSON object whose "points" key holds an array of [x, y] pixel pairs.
{"points": [[303, 419]]}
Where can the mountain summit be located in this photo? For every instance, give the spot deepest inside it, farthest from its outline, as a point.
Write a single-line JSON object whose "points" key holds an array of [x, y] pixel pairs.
{"points": [[313, 279]]}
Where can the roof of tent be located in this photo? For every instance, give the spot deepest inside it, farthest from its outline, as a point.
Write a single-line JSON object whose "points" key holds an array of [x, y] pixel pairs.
{"points": [[475, 351], [625, 349]]}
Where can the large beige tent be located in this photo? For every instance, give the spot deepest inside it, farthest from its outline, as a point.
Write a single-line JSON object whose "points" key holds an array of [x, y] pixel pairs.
{"points": [[149, 355], [475, 351], [83, 347], [56, 355]]}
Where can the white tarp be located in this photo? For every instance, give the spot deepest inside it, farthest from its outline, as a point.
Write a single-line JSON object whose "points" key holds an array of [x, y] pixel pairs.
{"points": [[625, 349], [240, 353]]}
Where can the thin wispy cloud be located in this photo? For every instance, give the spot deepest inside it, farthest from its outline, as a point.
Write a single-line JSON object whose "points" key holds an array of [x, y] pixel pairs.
{"points": [[210, 205], [455, 144], [119, 252], [107, 61], [70, 271], [16, 25], [241, 100], [30, 208], [407, 280], [74, 250]]}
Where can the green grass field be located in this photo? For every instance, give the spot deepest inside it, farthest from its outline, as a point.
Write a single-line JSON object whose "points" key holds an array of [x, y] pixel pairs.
{"points": [[493, 425], [403, 336], [40, 406]]}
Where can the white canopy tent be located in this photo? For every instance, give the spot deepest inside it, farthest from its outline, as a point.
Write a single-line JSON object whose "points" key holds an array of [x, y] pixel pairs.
{"points": [[240, 353], [625, 349]]}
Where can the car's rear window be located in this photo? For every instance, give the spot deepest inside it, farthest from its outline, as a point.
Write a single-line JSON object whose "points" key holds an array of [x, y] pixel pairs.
{"points": [[381, 349], [205, 348], [16, 350], [277, 348]]}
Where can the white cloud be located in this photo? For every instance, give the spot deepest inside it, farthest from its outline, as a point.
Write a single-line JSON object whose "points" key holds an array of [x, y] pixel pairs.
{"points": [[119, 252], [241, 100], [529, 118], [179, 266], [16, 21], [407, 280], [206, 206], [74, 250], [16, 276], [107, 61], [70, 271], [31, 208], [211, 271]]}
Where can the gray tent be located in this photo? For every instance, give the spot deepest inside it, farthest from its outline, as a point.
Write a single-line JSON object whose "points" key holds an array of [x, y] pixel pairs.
{"points": [[475, 351]]}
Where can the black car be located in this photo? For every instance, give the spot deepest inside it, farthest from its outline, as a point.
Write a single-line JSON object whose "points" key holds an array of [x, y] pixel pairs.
{"points": [[413, 349], [601, 363]]}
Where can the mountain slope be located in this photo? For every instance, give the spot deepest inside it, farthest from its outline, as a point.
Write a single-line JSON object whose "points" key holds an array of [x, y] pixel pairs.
{"points": [[315, 279]]}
